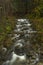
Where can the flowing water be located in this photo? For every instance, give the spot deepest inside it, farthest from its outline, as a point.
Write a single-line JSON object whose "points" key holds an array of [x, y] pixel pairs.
{"points": [[22, 53]]}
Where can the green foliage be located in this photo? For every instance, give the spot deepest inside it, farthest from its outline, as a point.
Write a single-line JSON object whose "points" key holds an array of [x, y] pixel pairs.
{"points": [[2, 37]]}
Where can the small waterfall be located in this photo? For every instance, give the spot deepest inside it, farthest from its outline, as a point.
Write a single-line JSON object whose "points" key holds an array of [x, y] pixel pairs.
{"points": [[23, 31]]}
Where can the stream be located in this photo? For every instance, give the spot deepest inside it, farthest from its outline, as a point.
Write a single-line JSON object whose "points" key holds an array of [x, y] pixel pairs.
{"points": [[21, 52]]}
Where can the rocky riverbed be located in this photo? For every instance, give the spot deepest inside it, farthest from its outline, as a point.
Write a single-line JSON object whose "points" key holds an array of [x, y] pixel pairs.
{"points": [[22, 51]]}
